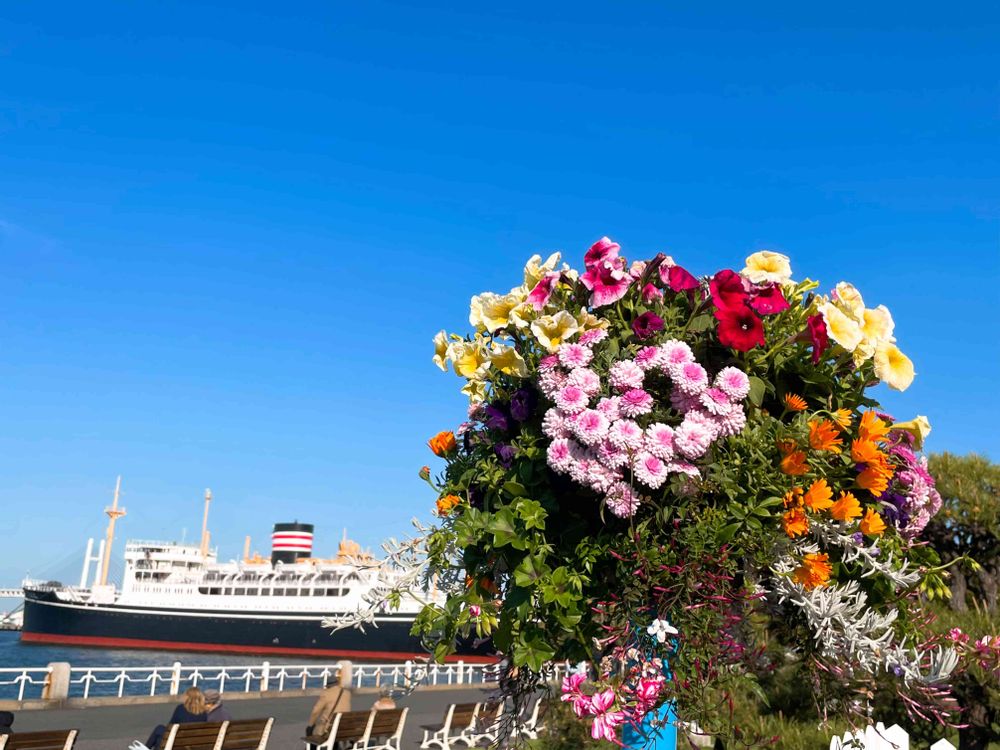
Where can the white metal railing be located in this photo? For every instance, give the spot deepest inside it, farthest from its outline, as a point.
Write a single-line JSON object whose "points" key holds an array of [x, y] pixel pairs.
{"points": [[16, 682], [120, 682], [879, 737]]}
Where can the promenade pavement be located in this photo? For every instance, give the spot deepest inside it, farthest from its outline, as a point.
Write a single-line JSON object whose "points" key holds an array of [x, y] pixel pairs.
{"points": [[114, 727]]}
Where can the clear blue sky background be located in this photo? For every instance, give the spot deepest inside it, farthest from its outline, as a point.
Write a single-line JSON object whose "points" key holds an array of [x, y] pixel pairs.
{"points": [[228, 232]]}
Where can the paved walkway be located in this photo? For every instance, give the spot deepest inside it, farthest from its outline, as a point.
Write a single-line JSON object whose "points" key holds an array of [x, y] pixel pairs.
{"points": [[114, 727]]}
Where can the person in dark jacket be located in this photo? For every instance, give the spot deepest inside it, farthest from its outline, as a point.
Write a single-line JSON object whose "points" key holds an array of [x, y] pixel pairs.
{"points": [[191, 710], [213, 704], [6, 721]]}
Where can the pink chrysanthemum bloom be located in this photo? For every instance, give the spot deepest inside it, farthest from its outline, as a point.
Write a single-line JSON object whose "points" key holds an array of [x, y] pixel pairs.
{"points": [[548, 362], [660, 440], [683, 402], [572, 399], [574, 355], [675, 353], [626, 375], [559, 455], [622, 500], [591, 427], [733, 422], [715, 401], [683, 467], [601, 478], [579, 470], [692, 439], [593, 336], [691, 378], [626, 435], [586, 379], [734, 382], [610, 456], [554, 424], [610, 407], [649, 357], [635, 403], [650, 470], [704, 419], [551, 382]]}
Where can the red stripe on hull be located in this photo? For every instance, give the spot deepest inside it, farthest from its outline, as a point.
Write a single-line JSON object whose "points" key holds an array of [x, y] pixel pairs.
{"points": [[103, 642]]}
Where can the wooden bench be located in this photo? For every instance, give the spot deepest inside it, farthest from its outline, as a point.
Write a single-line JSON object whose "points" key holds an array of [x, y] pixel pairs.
{"points": [[61, 739], [349, 726], [194, 736], [458, 726], [247, 734], [386, 730]]}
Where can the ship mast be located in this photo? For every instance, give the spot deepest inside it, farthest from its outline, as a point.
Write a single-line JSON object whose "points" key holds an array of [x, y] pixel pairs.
{"points": [[113, 513], [204, 525]]}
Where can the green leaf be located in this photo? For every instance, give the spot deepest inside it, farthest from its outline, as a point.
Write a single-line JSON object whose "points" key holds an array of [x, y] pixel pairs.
{"points": [[728, 532], [504, 530], [757, 390], [531, 651], [532, 513], [515, 489], [530, 569]]}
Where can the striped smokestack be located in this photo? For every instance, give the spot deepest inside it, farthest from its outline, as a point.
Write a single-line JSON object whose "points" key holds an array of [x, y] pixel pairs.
{"points": [[290, 541]]}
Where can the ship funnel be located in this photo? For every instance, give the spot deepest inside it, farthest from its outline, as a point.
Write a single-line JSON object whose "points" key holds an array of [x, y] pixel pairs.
{"points": [[290, 541]]}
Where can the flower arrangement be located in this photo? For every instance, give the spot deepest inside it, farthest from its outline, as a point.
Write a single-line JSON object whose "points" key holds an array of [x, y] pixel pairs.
{"points": [[665, 477]]}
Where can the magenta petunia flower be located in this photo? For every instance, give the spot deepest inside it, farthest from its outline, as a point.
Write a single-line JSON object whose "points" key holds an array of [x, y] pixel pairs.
{"points": [[651, 293], [818, 335], [602, 250], [607, 282], [769, 300], [542, 291], [647, 325], [729, 290], [677, 278]]}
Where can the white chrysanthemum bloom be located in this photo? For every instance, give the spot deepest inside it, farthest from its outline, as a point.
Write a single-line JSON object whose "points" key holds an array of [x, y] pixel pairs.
{"points": [[766, 266]]}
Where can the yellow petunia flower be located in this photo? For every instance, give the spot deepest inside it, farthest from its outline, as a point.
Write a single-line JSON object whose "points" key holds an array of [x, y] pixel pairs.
{"points": [[535, 269], [876, 328], [441, 350], [849, 300], [767, 266], [588, 321], [491, 311], [553, 330], [470, 359], [919, 427], [893, 367], [508, 361], [475, 390], [843, 328]]}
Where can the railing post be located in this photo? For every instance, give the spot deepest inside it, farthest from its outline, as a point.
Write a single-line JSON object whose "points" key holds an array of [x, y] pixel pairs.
{"points": [[461, 670], [175, 679], [57, 688], [344, 674], [265, 674]]}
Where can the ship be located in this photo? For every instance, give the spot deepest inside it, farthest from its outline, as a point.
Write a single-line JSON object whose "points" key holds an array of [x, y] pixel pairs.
{"points": [[177, 596]]}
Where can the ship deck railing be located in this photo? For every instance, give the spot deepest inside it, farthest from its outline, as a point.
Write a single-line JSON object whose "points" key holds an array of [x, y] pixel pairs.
{"points": [[172, 680]]}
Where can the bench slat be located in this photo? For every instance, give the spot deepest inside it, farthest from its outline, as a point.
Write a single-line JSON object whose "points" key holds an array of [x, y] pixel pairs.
{"points": [[51, 740]]}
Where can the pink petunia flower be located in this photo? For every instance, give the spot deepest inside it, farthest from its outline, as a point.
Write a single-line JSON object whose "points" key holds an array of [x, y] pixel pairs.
{"points": [[769, 300], [660, 440], [574, 355], [542, 291], [572, 399], [651, 293], [626, 375], [607, 282], [602, 250], [734, 382], [635, 403]]}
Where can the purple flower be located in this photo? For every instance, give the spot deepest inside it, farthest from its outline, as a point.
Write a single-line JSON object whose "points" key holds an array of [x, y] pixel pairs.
{"points": [[647, 325], [505, 453], [495, 418], [522, 404]]}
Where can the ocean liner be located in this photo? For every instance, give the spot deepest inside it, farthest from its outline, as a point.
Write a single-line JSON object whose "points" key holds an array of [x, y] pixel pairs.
{"points": [[180, 597]]}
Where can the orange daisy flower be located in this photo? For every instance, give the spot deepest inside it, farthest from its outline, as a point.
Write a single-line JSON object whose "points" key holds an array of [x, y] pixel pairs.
{"points": [[846, 508], [443, 443], [814, 571], [819, 496], [795, 522], [872, 427], [794, 464], [823, 435], [794, 402], [872, 524], [875, 477], [447, 504], [843, 418], [865, 452], [793, 498]]}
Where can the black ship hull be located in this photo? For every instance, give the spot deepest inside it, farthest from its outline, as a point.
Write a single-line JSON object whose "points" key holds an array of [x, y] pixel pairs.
{"points": [[50, 620]]}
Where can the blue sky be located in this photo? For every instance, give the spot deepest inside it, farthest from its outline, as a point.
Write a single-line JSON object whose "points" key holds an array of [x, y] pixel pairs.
{"points": [[228, 232]]}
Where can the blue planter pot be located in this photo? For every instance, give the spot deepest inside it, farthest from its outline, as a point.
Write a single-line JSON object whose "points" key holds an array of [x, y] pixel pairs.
{"points": [[648, 737]]}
